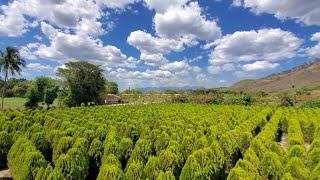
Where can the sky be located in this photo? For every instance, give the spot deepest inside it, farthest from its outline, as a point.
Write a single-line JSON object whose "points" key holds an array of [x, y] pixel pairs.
{"points": [[163, 43]]}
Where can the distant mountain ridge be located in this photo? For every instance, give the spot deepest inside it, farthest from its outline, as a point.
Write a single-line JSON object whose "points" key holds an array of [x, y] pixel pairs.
{"points": [[159, 89], [306, 75]]}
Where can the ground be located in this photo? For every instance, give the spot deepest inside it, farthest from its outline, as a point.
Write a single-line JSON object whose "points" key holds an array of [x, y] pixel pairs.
{"points": [[14, 103]]}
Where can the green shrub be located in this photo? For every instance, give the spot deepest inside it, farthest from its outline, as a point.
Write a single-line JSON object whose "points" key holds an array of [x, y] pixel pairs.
{"points": [[24, 160], [5, 145], [152, 168], [64, 144], [111, 172], [297, 169], [134, 171], [271, 166], [168, 175], [202, 164]]}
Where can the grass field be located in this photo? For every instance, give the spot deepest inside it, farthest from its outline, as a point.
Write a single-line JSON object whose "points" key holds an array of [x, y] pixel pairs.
{"points": [[14, 103]]}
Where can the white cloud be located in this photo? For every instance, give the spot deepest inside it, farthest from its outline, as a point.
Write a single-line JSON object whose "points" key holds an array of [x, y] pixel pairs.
{"points": [[314, 51], [176, 66], [305, 11], [214, 69], [196, 69], [62, 13], [260, 66], [153, 45], [153, 59], [153, 48], [12, 23], [186, 21], [202, 77], [265, 44], [89, 27], [39, 38], [222, 81], [26, 52], [162, 5], [228, 67], [116, 4], [38, 67], [65, 47], [149, 78], [82, 16]]}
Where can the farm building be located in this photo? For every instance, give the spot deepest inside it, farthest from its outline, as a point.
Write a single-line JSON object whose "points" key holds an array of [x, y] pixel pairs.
{"points": [[112, 99]]}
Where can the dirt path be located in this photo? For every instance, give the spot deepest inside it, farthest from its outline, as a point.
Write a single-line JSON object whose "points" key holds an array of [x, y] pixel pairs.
{"points": [[284, 142], [5, 174], [307, 145]]}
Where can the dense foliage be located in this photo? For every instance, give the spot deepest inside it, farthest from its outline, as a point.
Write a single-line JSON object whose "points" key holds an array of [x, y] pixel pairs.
{"points": [[84, 83], [161, 141]]}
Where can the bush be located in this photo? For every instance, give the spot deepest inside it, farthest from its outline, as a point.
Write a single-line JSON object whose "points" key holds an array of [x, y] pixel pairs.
{"points": [[134, 171], [152, 168], [297, 169], [5, 145], [204, 99], [202, 164], [271, 166], [24, 160], [111, 172]]}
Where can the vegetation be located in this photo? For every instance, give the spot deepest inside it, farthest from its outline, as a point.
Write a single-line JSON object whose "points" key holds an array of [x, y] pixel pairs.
{"points": [[44, 89], [10, 63], [112, 87], [161, 141], [84, 83]]}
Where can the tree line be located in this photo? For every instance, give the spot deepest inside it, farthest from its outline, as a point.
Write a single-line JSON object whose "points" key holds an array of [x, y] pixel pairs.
{"points": [[79, 83]]}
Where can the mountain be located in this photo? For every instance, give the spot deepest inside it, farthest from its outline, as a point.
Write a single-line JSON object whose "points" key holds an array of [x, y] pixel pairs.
{"points": [[159, 89], [307, 75]]}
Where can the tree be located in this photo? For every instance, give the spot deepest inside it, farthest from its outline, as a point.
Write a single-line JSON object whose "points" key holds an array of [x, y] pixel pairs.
{"points": [[44, 89], [112, 87], [10, 62], [85, 82]]}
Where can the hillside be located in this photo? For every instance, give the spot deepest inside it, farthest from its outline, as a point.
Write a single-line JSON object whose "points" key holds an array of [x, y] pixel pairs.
{"points": [[307, 75]]}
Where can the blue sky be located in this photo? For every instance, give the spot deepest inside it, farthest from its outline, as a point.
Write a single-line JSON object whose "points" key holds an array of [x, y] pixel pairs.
{"points": [[154, 43]]}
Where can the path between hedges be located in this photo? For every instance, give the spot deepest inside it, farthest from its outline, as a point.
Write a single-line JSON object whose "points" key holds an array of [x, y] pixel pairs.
{"points": [[5, 174]]}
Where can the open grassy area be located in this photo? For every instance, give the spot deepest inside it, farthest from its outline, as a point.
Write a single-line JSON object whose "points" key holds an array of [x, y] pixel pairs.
{"points": [[14, 103]]}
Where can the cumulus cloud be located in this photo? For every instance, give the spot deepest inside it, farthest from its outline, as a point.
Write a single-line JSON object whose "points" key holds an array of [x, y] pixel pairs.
{"points": [[153, 45], [202, 77], [260, 65], [38, 67], [265, 44], [149, 78], [116, 4], [176, 66], [228, 67], [62, 13], [153, 59], [153, 48], [65, 47], [162, 5], [314, 51], [305, 11], [187, 22], [26, 52], [214, 69]]}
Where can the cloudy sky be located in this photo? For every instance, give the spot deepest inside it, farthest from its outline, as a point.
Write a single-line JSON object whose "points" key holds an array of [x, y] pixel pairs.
{"points": [[153, 43]]}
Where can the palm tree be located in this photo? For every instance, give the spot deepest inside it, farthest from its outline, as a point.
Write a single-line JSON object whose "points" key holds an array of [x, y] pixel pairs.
{"points": [[10, 62]]}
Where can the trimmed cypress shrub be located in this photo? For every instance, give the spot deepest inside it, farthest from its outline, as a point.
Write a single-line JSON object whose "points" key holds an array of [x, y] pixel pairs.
{"points": [[5, 145], [24, 160]]}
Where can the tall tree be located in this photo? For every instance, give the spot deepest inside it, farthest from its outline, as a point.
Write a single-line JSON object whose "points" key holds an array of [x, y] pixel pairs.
{"points": [[10, 62], [112, 87], [85, 82]]}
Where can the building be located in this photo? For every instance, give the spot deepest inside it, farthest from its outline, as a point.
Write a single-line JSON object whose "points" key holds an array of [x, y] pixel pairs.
{"points": [[112, 99]]}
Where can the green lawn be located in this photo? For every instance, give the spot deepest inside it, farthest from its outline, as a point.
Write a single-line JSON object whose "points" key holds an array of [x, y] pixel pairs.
{"points": [[14, 103]]}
